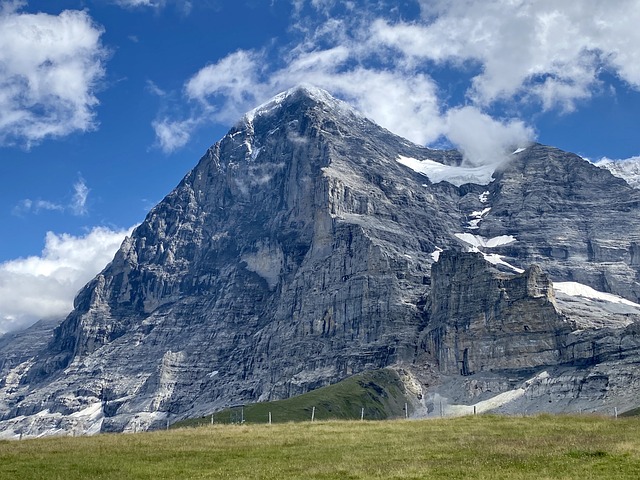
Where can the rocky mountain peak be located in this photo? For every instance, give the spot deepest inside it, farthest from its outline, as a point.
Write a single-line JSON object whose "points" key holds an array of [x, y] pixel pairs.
{"points": [[300, 95], [305, 247]]}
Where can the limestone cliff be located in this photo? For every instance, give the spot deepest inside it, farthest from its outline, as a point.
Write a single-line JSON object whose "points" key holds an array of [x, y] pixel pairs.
{"points": [[301, 250]]}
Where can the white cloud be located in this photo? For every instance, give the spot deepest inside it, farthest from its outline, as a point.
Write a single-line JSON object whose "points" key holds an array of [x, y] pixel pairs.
{"points": [[44, 287], [482, 139], [530, 55], [77, 205], [138, 3], [234, 79], [155, 89], [35, 206], [171, 135], [549, 51], [401, 101], [79, 201], [222, 92], [50, 67], [184, 6]]}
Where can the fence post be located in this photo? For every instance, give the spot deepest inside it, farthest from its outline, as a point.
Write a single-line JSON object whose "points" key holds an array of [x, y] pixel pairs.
{"points": [[362, 414], [313, 413], [269, 418]]}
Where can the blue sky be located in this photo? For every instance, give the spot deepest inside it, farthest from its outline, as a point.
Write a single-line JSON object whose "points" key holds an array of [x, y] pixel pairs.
{"points": [[106, 104]]}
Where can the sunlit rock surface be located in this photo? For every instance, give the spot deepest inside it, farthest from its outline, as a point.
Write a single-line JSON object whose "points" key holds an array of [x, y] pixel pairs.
{"points": [[302, 249]]}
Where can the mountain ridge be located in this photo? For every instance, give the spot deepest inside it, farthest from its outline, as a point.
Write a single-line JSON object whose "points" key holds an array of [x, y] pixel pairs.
{"points": [[298, 251]]}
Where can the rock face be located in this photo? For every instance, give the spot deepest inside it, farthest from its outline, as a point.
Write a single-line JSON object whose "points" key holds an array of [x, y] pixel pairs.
{"points": [[481, 320], [507, 343], [300, 251]]}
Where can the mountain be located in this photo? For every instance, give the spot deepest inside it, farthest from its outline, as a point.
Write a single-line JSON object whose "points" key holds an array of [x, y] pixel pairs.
{"points": [[628, 169], [310, 244]]}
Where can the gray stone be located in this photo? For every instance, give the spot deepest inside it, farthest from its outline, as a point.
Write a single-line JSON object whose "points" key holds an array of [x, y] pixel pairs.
{"points": [[299, 251]]}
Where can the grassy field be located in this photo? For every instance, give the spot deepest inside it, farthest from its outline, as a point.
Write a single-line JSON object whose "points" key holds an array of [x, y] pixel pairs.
{"points": [[380, 392], [482, 447]]}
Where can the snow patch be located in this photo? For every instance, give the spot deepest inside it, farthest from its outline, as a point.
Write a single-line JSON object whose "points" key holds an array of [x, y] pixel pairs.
{"points": [[575, 289], [477, 217], [319, 95], [478, 241], [495, 259], [436, 254], [439, 172], [498, 401], [484, 196], [628, 169], [247, 144], [518, 150], [255, 153]]}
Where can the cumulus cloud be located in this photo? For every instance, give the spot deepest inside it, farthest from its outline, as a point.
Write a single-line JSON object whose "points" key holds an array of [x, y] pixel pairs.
{"points": [[50, 68], [543, 50], [44, 286], [482, 139], [402, 101], [171, 135], [234, 80], [531, 55]]}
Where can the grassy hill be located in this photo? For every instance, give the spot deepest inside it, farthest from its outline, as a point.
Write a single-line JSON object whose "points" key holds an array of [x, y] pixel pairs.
{"points": [[380, 392], [631, 413], [480, 447]]}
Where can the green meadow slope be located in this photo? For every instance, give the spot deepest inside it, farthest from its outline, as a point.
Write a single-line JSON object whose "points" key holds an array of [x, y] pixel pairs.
{"points": [[380, 393], [481, 447]]}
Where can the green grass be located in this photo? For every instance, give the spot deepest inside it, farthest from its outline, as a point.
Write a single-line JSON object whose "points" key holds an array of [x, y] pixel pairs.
{"points": [[482, 447], [380, 392], [631, 413]]}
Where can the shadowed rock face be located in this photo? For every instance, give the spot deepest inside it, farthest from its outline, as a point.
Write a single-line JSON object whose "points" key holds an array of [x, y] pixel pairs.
{"points": [[299, 251], [578, 222], [483, 320]]}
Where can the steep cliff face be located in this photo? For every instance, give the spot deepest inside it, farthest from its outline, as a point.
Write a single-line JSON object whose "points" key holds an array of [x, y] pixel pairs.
{"points": [[291, 256], [483, 320], [301, 249], [578, 222], [509, 342]]}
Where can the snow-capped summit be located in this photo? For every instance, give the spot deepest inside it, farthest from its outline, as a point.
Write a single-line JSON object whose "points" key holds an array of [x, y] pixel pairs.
{"points": [[300, 250], [628, 169], [293, 94]]}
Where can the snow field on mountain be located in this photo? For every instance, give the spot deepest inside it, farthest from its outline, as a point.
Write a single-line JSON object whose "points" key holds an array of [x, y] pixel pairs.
{"points": [[575, 289], [438, 172]]}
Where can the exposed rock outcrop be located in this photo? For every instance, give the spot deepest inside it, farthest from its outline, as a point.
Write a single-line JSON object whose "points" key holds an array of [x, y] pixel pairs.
{"points": [[300, 251], [483, 320]]}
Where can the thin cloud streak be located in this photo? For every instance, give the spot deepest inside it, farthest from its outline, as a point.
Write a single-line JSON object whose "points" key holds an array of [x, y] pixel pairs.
{"points": [[77, 205]]}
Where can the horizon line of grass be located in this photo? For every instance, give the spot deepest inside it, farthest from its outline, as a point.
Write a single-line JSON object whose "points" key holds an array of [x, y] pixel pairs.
{"points": [[480, 447]]}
